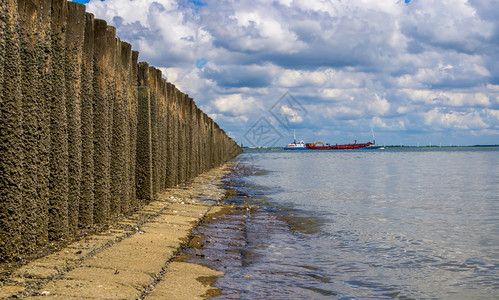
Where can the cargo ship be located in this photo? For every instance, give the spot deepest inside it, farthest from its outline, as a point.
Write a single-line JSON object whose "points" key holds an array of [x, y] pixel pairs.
{"points": [[322, 146], [354, 146]]}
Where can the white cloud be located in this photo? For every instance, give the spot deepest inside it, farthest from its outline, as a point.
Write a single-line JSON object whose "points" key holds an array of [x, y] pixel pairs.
{"points": [[450, 24], [291, 115], [390, 125], [331, 93], [454, 120], [443, 98], [236, 105], [379, 106], [131, 11], [401, 67], [342, 112], [294, 78]]}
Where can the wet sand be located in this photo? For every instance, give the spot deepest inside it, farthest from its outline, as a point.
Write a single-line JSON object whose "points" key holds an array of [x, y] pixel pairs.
{"points": [[136, 257]]}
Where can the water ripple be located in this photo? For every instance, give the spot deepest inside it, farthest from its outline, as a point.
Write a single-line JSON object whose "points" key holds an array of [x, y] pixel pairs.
{"points": [[374, 225]]}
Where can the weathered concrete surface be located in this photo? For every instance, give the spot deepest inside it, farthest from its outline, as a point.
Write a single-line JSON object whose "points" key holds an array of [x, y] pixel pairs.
{"points": [[74, 54], [86, 203], [183, 279], [101, 124], [59, 156], [144, 170], [10, 135], [132, 258]]}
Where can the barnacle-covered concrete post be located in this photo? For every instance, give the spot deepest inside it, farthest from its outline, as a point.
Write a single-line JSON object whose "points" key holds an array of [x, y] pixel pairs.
{"points": [[30, 80], [144, 136], [58, 195], [75, 29], [132, 111], [101, 124], [86, 207], [10, 134]]}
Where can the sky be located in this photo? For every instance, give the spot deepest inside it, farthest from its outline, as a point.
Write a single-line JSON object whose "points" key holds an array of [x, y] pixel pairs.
{"points": [[419, 72]]}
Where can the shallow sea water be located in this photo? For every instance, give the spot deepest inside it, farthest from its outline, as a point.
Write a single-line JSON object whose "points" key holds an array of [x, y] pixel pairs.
{"points": [[394, 223]]}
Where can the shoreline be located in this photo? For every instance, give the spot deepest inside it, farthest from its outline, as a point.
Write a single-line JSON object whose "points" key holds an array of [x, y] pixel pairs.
{"points": [[136, 257]]}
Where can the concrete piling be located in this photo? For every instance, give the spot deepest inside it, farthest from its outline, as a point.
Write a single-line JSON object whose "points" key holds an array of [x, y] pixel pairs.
{"points": [[153, 82], [101, 124], [11, 160], [144, 146], [30, 20], [74, 52], [86, 131], [124, 125], [118, 134], [44, 45], [132, 114], [171, 158], [86, 207], [110, 79], [58, 196]]}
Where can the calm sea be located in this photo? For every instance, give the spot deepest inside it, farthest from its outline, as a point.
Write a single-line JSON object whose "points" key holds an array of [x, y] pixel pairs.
{"points": [[394, 223]]}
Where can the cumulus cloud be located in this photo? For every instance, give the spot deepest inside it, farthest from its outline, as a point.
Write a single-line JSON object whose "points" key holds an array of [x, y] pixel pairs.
{"points": [[236, 105], [290, 114], [454, 120], [230, 76], [403, 67], [379, 106], [388, 124]]}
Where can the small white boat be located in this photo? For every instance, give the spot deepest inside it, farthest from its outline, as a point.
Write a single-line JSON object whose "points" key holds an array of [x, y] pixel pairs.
{"points": [[295, 145], [373, 145]]}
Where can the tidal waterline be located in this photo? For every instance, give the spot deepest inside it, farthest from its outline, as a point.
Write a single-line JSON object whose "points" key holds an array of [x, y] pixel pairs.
{"points": [[405, 223]]}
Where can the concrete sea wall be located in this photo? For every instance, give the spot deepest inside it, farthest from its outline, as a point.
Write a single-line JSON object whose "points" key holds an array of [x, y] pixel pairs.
{"points": [[87, 132]]}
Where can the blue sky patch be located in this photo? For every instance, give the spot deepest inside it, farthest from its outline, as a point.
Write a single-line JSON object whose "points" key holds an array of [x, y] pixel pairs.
{"points": [[197, 3], [200, 63]]}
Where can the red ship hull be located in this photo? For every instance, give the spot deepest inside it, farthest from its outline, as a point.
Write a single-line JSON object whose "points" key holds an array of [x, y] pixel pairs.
{"points": [[321, 146]]}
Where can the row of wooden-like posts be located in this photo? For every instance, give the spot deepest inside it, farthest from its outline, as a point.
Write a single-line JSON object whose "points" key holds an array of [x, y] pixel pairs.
{"points": [[86, 132]]}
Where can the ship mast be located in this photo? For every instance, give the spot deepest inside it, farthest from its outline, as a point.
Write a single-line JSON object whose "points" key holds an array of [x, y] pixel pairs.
{"points": [[374, 139]]}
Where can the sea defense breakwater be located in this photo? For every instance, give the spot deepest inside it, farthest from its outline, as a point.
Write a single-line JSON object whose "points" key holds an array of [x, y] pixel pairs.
{"points": [[87, 133]]}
